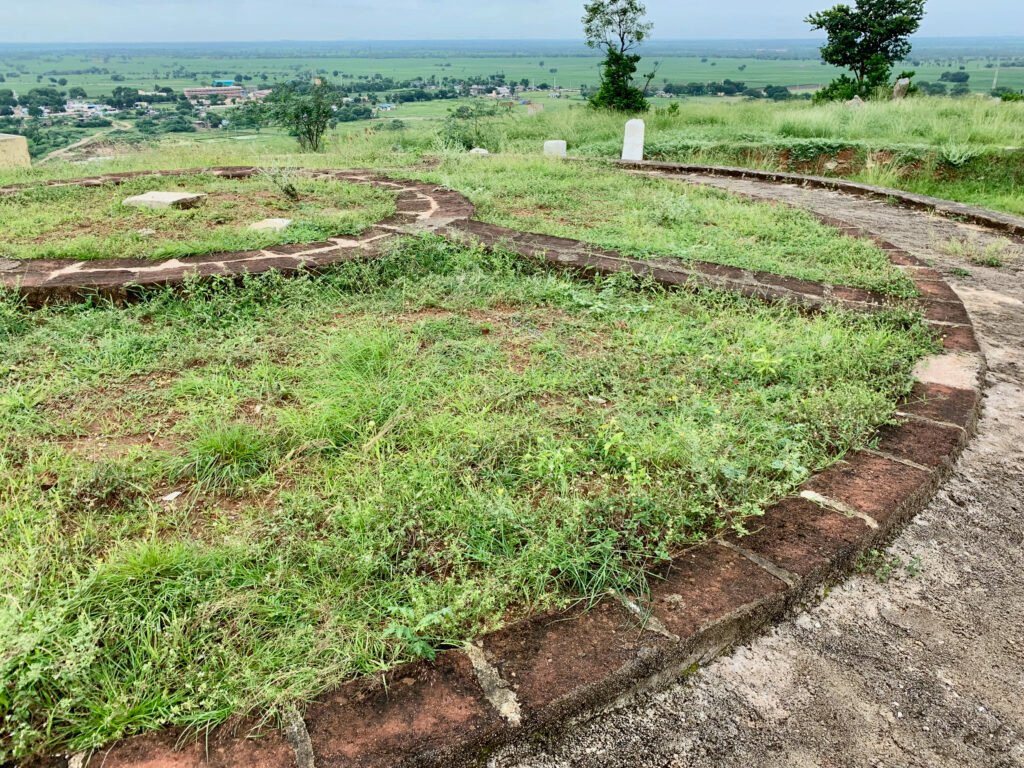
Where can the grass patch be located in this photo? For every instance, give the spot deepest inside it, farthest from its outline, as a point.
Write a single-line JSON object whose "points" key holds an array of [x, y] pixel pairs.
{"points": [[643, 217], [92, 222], [375, 463]]}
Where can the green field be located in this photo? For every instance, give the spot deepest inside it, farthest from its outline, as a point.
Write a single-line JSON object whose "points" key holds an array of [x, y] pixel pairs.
{"points": [[144, 71]]}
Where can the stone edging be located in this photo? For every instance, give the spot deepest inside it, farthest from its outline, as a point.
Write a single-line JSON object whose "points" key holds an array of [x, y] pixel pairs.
{"points": [[1003, 222], [419, 207], [534, 676]]}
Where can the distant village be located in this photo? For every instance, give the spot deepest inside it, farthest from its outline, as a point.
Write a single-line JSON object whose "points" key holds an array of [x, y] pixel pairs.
{"points": [[228, 93]]}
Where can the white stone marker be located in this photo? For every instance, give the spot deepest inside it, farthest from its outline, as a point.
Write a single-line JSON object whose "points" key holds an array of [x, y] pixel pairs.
{"points": [[479, 151], [555, 148], [633, 146], [178, 200], [271, 225]]}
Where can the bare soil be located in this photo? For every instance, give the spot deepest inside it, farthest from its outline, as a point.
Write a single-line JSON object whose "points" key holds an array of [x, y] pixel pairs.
{"points": [[921, 670]]}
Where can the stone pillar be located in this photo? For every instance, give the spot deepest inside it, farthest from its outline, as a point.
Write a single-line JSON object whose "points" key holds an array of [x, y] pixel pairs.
{"points": [[555, 148], [633, 146], [14, 151]]}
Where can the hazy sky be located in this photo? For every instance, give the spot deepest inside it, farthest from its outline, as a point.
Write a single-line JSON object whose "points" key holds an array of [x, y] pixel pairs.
{"points": [[24, 21]]}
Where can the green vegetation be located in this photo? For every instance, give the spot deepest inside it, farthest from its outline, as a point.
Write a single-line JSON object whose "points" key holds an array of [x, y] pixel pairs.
{"points": [[867, 39], [617, 28], [655, 217], [375, 463], [92, 223], [305, 110]]}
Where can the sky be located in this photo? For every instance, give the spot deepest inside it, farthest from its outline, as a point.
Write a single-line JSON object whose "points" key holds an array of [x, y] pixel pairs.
{"points": [[45, 21]]}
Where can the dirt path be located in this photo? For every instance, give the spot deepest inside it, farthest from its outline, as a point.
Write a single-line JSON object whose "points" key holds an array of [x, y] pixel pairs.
{"points": [[66, 152], [924, 670]]}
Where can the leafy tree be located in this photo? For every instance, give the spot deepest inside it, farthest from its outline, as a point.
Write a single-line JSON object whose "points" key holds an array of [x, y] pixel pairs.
{"points": [[955, 77], [38, 98], [77, 93], [305, 109], [123, 97], [868, 39], [617, 27]]}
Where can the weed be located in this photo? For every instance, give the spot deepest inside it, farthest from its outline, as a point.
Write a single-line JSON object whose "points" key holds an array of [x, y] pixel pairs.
{"points": [[885, 565]]}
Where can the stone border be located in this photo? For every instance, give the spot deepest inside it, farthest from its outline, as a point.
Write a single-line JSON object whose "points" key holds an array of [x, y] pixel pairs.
{"points": [[535, 676], [419, 207], [1003, 222]]}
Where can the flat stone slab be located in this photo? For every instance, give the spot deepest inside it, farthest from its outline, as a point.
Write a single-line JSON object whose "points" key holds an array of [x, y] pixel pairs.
{"points": [[159, 200], [271, 225]]}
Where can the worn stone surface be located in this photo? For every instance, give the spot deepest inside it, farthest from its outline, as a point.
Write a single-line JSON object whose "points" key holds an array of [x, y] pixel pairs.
{"points": [[804, 538], [157, 200], [271, 225], [916, 672], [14, 151]]}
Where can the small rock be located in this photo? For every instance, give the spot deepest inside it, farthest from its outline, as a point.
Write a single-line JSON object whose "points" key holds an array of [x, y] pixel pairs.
{"points": [[159, 200], [479, 151], [170, 496], [900, 89], [856, 101], [145, 232], [271, 225]]}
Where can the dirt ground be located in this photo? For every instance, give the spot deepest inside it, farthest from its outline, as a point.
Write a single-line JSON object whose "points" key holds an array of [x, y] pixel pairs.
{"points": [[925, 669]]}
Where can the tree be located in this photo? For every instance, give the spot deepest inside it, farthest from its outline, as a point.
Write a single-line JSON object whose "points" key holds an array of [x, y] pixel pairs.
{"points": [[123, 97], [868, 39], [305, 109], [617, 27], [77, 93]]}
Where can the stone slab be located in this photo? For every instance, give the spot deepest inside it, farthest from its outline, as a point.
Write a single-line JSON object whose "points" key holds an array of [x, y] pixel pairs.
{"points": [[14, 151], [633, 142], [159, 200], [555, 148], [271, 225]]}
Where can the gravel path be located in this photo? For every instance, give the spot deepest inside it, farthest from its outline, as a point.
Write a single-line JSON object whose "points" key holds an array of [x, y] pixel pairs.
{"points": [[926, 669]]}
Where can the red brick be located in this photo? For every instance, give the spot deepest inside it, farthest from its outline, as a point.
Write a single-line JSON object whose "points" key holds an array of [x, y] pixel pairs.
{"points": [[935, 289], [707, 583], [945, 312], [922, 442], [886, 490], [942, 403], [226, 747], [958, 338], [424, 707], [803, 538], [562, 655]]}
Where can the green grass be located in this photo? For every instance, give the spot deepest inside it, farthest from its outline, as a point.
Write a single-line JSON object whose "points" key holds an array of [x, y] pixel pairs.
{"points": [[656, 217], [376, 463], [92, 222]]}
